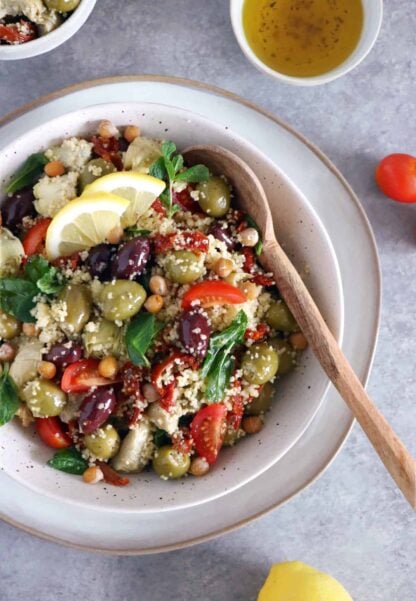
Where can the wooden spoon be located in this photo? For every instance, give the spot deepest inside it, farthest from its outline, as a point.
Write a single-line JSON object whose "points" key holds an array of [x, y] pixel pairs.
{"points": [[253, 200]]}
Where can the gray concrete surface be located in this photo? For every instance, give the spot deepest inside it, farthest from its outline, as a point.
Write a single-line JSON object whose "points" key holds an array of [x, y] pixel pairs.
{"points": [[351, 522]]}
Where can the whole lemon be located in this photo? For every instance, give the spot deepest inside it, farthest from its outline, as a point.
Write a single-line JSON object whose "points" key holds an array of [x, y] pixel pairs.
{"points": [[296, 581]]}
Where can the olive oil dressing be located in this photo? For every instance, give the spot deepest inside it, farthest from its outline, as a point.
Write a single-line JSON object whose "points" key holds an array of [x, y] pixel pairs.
{"points": [[303, 38]]}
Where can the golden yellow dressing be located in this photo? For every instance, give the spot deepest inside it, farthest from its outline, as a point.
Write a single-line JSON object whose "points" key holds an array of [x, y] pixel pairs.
{"points": [[303, 38]]}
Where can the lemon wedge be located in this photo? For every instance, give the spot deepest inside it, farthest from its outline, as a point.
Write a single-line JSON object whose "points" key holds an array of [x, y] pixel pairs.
{"points": [[83, 223], [140, 189], [297, 581]]}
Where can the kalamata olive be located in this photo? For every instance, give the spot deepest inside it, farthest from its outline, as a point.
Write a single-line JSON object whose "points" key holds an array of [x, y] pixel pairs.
{"points": [[63, 354], [194, 332], [96, 408], [221, 231], [99, 261], [14, 208], [131, 258]]}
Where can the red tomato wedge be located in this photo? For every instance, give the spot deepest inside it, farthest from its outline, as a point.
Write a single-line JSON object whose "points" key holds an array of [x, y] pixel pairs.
{"points": [[51, 432], [396, 177], [208, 430], [213, 292], [34, 240], [83, 375]]}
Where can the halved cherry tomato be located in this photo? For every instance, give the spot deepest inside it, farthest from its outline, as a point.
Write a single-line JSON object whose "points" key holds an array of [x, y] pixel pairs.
{"points": [[208, 430], [34, 240], [396, 177], [111, 476], [17, 33], [51, 432], [83, 375], [213, 292]]}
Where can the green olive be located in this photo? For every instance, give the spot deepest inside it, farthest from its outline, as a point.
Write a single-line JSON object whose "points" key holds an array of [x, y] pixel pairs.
{"points": [[121, 299], [93, 170], [287, 356], [184, 267], [260, 363], [106, 339], [9, 326], [104, 443], [62, 6], [169, 463], [44, 398], [280, 318], [262, 403], [214, 197], [78, 304]]}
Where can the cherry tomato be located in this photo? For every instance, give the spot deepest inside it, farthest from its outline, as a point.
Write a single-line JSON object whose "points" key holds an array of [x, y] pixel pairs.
{"points": [[17, 33], [51, 432], [396, 177], [213, 292], [83, 375], [34, 240], [208, 429]]}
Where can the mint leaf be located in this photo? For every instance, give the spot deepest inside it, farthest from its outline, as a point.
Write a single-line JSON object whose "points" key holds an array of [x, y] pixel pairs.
{"points": [[195, 174], [69, 461], [35, 268], [140, 334], [158, 169], [219, 376], [161, 438], [232, 335], [9, 398], [177, 163], [168, 149], [17, 297], [258, 249], [28, 173], [48, 279]]}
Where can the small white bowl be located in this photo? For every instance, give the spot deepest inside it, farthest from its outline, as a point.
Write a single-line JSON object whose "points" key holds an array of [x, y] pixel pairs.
{"points": [[373, 16], [53, 39]]}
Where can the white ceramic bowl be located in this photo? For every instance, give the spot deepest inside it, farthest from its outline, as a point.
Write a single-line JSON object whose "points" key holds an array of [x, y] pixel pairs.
{"points": [[299, 395], [53, 39], [373, 16]]}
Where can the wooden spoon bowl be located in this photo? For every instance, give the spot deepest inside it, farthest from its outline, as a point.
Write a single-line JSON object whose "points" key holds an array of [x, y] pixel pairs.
{"points": [[252, 199]]}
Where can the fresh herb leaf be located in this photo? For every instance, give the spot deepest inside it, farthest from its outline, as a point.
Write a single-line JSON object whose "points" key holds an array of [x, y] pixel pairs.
{"points": [[195, 174], [258, 249], [28, 173], [9, 398], [161, 438], [69, 460], [48, 279], [134, 231], [168, 167], [17, 297], [231, 336], [140, 334], [219, 363]]}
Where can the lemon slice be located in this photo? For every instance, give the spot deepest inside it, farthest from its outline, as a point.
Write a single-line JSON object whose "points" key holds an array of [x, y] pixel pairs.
{"points": [[83, 223], [141, 190]]}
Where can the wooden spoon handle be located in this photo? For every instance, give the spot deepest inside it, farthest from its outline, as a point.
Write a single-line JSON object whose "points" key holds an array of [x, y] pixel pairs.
{"points": [[397, 459]]}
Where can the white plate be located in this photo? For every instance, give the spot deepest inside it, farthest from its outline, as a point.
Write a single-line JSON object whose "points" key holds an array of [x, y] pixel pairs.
{"points": [[299, 394], [345, 222]]}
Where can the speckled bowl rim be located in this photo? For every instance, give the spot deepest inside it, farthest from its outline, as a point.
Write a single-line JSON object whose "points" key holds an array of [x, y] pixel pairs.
{"points": [[377, 275]]}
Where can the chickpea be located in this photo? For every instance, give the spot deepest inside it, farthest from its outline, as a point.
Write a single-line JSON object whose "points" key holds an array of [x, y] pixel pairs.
{"points": [[106, 129], [29, 329], [7, 352], [249, 237], [252, 424], [154, 303], [150, 393], [47, 370], [131, 133], [158, 285], [199, 467], [92, 475], [115, 235], [54, 168], [298, 341], [250, 290], [108, 367], [223, 267]]}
